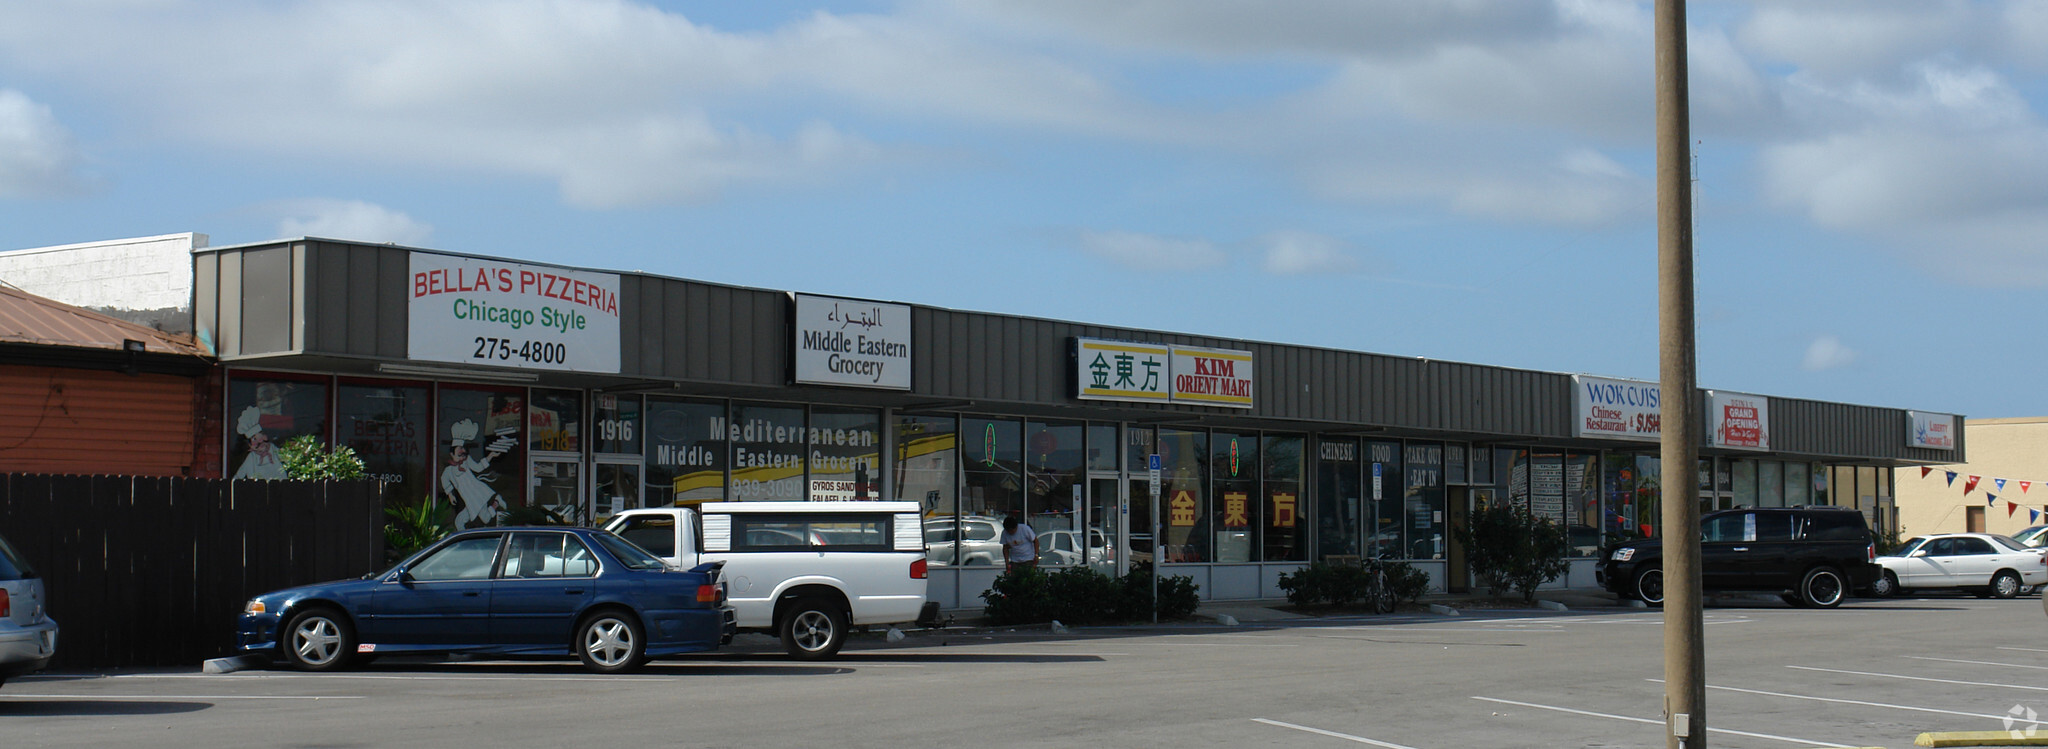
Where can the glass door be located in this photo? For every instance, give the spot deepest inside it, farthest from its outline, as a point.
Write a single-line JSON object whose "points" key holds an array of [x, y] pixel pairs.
{"points": [[615, 487], [1106, 512], [558, 489]]}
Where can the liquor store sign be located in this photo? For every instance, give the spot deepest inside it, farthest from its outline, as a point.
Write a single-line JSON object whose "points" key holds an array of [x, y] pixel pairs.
{"points": [[1162, 373], [466, 310]]}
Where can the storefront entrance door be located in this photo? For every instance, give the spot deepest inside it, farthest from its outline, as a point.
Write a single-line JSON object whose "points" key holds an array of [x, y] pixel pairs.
{"points": [[1106, 533], [615, 487], [558, 487]]}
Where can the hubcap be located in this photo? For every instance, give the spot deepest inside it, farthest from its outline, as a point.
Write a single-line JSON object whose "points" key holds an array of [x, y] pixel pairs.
{"points": [[812, 630], [608, 642], [2007, 586], [1824, 589], [317, 641], [1651, 586]]}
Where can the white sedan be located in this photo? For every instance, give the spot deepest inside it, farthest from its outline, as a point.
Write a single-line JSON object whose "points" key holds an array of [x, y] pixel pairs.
{"points": [[1987, 563]]}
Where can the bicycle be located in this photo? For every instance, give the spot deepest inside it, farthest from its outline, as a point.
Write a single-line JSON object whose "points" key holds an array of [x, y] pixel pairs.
{"points": [[1380, 593]]}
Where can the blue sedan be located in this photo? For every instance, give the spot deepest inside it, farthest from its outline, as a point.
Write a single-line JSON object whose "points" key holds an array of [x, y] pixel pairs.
{"points": [[537, 591]]}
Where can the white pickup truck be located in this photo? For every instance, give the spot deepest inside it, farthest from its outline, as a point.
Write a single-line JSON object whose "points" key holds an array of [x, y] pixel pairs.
{"points": [[805, 571]]}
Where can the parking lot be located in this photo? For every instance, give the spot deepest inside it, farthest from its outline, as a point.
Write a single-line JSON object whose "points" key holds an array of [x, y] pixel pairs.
{"points": [[1872, 673]]}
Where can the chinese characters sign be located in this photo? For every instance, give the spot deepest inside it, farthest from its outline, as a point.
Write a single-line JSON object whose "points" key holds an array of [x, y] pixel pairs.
{"points": [[479, 311], [1152, 373], [1737, 420]]}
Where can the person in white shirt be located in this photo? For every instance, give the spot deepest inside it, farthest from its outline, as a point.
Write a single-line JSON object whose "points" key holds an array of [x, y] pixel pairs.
{"points": [[1020, 544]]}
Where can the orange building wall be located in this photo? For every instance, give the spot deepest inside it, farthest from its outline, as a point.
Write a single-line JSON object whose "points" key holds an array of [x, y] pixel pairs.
{"points": [[58, 420]]}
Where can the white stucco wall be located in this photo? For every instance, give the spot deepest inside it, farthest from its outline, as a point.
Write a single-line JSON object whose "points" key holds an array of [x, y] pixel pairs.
{"points": [[144, 273], [2012, 449]]}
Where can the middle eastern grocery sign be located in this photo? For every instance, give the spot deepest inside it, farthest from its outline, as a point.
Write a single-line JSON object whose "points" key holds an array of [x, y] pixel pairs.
{"points": [[852, 342], [469, 310], [1616, 409], [1154, 373], [1737, 420]]}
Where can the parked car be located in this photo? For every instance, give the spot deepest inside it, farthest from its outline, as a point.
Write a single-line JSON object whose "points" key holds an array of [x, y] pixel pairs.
{"points": [[28, 637], [801, 571], [1064, 547], [539, 591], [979, 537], [1811, 556], [2035, 536], [1985, 563]]}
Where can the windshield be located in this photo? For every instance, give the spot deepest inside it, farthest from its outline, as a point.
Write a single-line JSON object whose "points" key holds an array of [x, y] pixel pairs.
{"points": [[2007, 543], [1906, 549], [12, 565], [634, 557]]}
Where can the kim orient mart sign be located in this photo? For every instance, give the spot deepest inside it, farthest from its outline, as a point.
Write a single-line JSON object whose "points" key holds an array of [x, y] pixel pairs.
{"points": [[1162, 373]]}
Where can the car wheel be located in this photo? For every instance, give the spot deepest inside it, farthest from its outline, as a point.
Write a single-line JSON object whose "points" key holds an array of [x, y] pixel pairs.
{"points": [[1822, 588], [2005, 584], [1650, 586], [610, 642], [1887, 585], [319, 639], [813, 629]]}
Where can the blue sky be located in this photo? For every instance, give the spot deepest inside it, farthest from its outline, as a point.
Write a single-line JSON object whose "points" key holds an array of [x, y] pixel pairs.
{"points": [[1463, 179]]}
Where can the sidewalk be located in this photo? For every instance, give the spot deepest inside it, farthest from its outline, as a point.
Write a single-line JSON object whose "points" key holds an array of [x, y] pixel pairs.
{"points": [[1277, 609]]}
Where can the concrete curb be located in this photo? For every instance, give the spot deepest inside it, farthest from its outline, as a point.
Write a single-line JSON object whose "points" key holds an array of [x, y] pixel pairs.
{"points": [[1979, 738], [231, 664]]}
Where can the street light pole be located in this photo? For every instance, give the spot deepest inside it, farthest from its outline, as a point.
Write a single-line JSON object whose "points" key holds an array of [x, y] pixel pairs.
{"points": [[1685, 691]]}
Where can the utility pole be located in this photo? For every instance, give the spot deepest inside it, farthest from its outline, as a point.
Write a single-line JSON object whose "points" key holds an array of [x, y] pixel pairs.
{"points": [[1685, 654]]}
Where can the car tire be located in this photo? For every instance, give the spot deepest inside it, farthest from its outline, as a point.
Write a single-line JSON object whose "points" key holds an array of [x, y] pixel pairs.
{"points": [[813, 629], [318, 639], [1823, 588], [1650, 586], [611, 641], [2005, 584], [1886, 586]]}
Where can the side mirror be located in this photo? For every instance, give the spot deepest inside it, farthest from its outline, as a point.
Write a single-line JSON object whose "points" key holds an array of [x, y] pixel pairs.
{"points": [[401, 576], [1918, 553]]}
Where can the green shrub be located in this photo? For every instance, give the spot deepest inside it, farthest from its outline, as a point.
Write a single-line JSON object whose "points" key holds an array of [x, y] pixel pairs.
{"points": [[1322, 583], [414, 527], [1509, 547], [305, 459], [1079, 595], [1409, 584]]}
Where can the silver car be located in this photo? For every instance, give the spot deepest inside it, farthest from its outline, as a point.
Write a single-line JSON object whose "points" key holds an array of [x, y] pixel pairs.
{"points": [[28, 637]]}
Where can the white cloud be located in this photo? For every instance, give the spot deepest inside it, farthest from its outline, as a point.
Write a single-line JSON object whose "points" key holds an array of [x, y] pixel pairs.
{"points": [[349, 219], [1298, 253], [38, 156], [1151, 252], [1827, 352]]}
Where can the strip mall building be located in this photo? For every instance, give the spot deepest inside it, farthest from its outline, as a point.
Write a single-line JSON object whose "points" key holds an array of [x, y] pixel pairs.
{"points": [[503, 386]]}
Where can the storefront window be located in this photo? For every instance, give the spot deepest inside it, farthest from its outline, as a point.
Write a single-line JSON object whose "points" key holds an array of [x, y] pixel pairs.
{"points": [[1185, 466], [992, 468], [389, 427], [767, 452], [1056, 464], [1234, 514], [926, 459], [1383, 486], [1102, 447], [1338, 499], [1482, 466], [1423, 500], [483, 456], [1745, 482], [264, 412], [1546, 486], [686, 451], [1284, 502], [554, 421], [1796, 485], [846, 453], [616, 424], [1770, 484], [1139, 444], [1582, 502], [1454, 465], [1633, 487]]}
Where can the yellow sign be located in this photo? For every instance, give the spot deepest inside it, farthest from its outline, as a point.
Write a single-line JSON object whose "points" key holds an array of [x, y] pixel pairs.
{"points": [[1283, 510], [1181, 509], [1235, 514]]}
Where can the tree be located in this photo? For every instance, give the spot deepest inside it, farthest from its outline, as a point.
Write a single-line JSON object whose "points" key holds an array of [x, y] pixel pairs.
{"points": [[1510, 547]]}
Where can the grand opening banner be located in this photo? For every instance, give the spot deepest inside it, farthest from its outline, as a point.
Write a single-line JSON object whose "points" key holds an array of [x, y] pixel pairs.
{"points": [[466, 310]]}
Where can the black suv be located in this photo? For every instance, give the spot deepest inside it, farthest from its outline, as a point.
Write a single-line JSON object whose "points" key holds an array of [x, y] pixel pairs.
{"points": [[1810, 556]]}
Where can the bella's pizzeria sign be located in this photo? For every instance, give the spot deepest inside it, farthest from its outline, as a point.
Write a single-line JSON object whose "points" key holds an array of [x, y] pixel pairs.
{"points": [[1153, 373], [478, 311]]}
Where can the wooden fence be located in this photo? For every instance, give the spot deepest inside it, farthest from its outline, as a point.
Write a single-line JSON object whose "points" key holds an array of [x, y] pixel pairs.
{"points": [[146, 571]]}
